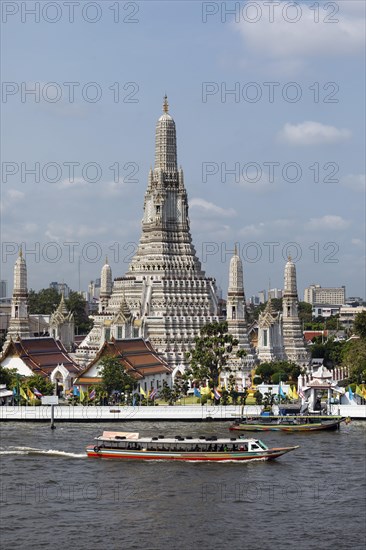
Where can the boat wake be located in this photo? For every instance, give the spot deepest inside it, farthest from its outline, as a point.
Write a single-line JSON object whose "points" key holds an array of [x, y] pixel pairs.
{"points": [[34, 451]]}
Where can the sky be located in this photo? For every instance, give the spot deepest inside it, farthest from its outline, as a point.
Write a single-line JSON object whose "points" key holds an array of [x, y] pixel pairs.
{"points": [[268, 100]]}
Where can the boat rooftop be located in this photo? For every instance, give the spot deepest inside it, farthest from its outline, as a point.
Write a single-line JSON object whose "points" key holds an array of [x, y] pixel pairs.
{"points": [[134, 437]]}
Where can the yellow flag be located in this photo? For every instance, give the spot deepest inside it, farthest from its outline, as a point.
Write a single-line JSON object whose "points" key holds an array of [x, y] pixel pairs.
{"points": [[30, 394], [82, 395], [205, 390], [289, 393], [363, 391], [142, 392], [23, 394], [359, 391], [295, 395]]}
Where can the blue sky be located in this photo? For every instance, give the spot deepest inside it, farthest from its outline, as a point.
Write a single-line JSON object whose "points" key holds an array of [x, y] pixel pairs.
{"points": [[310, 133]]}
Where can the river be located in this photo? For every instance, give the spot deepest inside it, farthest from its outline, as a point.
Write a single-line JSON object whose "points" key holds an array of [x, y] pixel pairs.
{"points": [[52, 496]]}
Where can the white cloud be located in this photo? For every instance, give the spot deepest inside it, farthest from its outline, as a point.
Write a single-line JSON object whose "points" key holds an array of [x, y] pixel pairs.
{"points": [[209, 208], [11, 196], [357, 182], [15, 195], [312, 133], [73, 184], [280, 39], [60, 232], [357, 242], [252, 230], [327, 222]]}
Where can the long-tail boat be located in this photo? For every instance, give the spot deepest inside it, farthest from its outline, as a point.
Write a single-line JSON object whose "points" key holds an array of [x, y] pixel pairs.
{"points": [[287, 423]]}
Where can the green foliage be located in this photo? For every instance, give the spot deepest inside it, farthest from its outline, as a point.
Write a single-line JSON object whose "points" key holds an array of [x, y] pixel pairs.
{"points": [[211, 352], [268, 399], [359, 326], [272, 372], [233, 392], [279, 377], [77, 304], [258, 398], [114, 376], [48, 299], [40, 382], [8, 377], [330, 351], [305, 312], [354, 357], [45, 301], [224, 397]]}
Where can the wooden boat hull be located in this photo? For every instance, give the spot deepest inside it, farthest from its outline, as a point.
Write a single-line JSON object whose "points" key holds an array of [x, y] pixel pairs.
{"points": [[244, 456], [307, 427]]}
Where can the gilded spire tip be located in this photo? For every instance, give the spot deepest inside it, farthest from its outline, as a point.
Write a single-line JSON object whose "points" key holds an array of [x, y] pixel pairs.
{"points": [[20, 251]]}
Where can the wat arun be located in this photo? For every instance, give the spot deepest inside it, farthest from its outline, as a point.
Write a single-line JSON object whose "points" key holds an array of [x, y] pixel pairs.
{"points": [[165, 296]]}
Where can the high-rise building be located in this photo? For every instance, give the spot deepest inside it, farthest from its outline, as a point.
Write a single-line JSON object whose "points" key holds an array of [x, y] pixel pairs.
{"points": [[62, 288], [3, 289], [275, 293], [262, 296], [165, 296], [315, 294]]}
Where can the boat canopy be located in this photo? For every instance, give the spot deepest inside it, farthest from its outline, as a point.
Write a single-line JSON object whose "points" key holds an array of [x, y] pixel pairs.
{"points": [[119, 435]]}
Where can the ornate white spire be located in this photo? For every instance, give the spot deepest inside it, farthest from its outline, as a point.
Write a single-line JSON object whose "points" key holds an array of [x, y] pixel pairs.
{"points": [[62, 325], [290, 285], [105, 286], [236, 279], [106, 280], [165, 292], [165, 142], [19, 318], [293, 339], [20, 276], [236, 317]]}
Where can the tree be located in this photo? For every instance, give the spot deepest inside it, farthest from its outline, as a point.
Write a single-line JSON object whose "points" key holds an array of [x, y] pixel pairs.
{"points": [[77, 304], [114, 376], [7, 377], [305, 312], [354, 357], [265, 371], [43, 302], [211, 352], [43, 384], [274, 371], [359, 325], [168, 394]]}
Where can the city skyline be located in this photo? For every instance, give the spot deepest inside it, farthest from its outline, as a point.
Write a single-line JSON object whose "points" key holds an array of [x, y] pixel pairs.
{"points": [[226, 141]]}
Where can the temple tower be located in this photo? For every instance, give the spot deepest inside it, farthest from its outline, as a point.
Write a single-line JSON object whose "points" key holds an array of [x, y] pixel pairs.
{"points": [[105, 286], [293, 340], [62, 325], [236, 320], [19, 318], [270, 337], [165, 288]]}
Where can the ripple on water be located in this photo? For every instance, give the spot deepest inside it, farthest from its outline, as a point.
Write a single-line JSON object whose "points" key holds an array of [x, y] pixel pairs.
{"points": [[311, 498]]}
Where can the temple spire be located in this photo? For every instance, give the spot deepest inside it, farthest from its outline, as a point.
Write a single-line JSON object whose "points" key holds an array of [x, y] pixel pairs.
{"points": [[165, 104], [166, 142]]}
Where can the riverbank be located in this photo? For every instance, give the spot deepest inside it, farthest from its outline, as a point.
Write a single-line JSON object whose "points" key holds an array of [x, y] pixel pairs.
{"points": [[65, 413]]}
